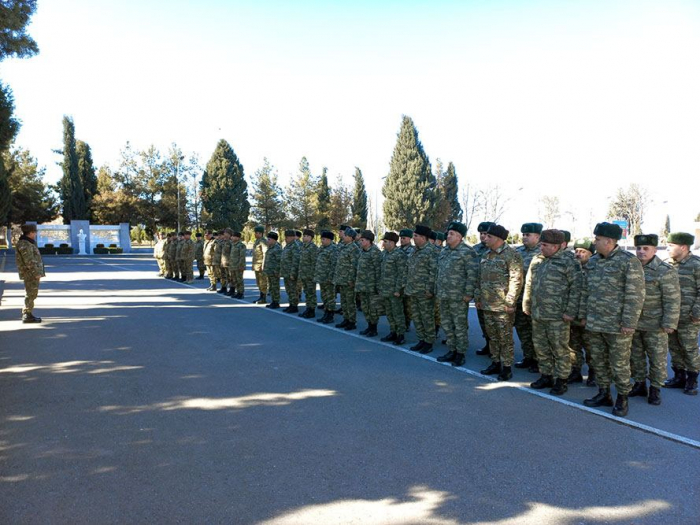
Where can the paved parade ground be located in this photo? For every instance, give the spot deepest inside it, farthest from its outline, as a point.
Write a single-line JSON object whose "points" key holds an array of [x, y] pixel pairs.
{"points": [[142, 400]]}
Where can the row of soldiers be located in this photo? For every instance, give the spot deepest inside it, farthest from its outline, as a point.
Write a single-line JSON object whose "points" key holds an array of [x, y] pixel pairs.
{"points": [[176, 253]]}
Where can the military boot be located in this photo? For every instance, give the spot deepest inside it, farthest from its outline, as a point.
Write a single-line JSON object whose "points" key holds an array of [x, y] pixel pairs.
{"points": [[221, 290], [261, 299], [331, 317], [678, 380], [372, 330], [543, 382], [560, 387], [459, 359], [493, 368], [390, 337], [506, 373], [485, 351], [418, 346], [575, 376], [400, 339], [201, 275], [654, 396], [323, 319], [366, 330], [212, 288], [307, 314], [639, 389], [274, 305], [427, 348], [603, 398], [350, 326], [691, 384], [30, 318], [342, 324], [590, 381], [534, 367], [621, 406], [292, 309], [525, 363], [447, 358]]}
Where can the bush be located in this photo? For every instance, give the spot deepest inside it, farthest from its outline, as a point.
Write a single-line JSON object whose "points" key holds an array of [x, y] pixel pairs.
{"points": [[100, 250], [64, 250], [48, 246], [112, 245], [99, 246], [47, 251], [63, 245], [115, 250]]}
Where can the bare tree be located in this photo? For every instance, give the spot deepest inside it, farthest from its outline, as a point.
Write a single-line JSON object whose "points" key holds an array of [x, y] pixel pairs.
{"points": [[630, 205], [494, 203], [471, 203], [550, 210]]}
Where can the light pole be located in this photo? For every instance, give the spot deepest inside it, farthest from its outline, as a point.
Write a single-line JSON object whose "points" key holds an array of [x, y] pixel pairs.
{"points": [[177, 181]]}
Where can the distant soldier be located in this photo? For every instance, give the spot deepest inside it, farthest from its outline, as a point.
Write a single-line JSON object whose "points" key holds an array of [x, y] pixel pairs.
{"points": [[159, 253], [659, 318], [480, 248], [179, 261], [290, 270], [369, 269], [199, 256], [523, 323], [391, 287], [458, 266], [685, 357], [225, 244], [567, 240], [259, 249], [307, 270], [211, 249], [552, 297], [187, 258], [236, 266], [578, 340], [325, 270], [406, 246], [498, 288], [420, 287], [345, 275], [31, 270], [613, 296], [170, 257], [272, 267]]}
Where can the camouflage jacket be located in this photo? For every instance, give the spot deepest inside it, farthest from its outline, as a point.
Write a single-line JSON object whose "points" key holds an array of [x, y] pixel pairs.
{"points": [[259, 249], [178, 249], [689, 279], [346, 267], [553, 287], [170, 250], [393, 272], [199, 250], [369, 270], [457, 272], [290, 260], [225, 251], [211, 249], [187, 250], [159, 249], [273, 261], [480, 249], [422, 270], [29, 263], [216, 255], [662, 300], [307, 261], [527, 255], [613, 292], [325, 263], [408, 249], [500, 279], [236, 257]]}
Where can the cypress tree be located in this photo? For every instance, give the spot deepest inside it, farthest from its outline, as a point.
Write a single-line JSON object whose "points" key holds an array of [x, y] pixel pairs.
{"points": [[71, 186], [359, 201], [409, 189], [9, 126], [224, 189], [324, 201], [302, 200], [88, 175], [267, 206], [450, 196]]}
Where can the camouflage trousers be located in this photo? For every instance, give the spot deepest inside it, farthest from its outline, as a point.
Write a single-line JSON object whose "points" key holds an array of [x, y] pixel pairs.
{"points": [[214, 273], [523, 325], [261, 282], [437, 313], [370, 306], [273, 284], [291, 286], [610, 355], [455, 322], [180, 263], [187, 271], [169, 268], [653, 346], [201, 266], [31, 290], [161, 266], [423, 316], [347, 303], [223, 271], [309, 288], [499, 328], [482, 324], [551, 342], [684, 347], [328, 296], [395, 314], [578, 340], [235, 280], [407, 310]]}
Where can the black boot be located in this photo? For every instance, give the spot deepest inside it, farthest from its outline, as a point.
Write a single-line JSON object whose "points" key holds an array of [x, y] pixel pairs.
{"points": [[222, 290], [678, 380], [543, 382], [366, 330], [575, 376], [560, 387], [342, 324], [308, 313], [427, 348], [590, 381], [292, 309], [321, 307], [459, 359], [201, 275], [331, 317], [372, 331], [525, 363], [274, 305], [602, 399], [418, 346], [350, 326], [447, 358], [400, 339], [390, 337], [654, 396], [691, 384], [506, 373], [30, 318], [621, 407], [639, 389], [323, 318], [212, 288], [261, 299], [485, 351], [493, 368], [534, 367]]}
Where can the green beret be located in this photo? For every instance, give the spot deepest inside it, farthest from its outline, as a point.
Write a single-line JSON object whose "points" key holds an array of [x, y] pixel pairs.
{"points": [[680, 238], [650, 239], [259, 229], [608, 229], [484, 227], [458, 227], [406, 232], [440, 236], [552, 236], [531, 227], [433, 235], [567, 236], [584, 244], [343, 227]]}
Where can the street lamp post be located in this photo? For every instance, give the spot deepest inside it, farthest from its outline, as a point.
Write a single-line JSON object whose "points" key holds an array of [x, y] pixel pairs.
{"points": [[177, 181]]}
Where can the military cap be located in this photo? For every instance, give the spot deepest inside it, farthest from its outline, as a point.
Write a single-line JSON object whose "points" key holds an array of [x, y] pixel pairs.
{"points": [[439, 236], [28, 228], [680, 238], [228, 230], [297, 233], [188, 233], [552, 236], [343, 227], [458, 227], [433, 235], [236, 234], [259, 229], [406, 232], [325, 234], [350, 232], [649, 239], [198, 235], [391, 236], [567, 236], [531, 227], [290, 233], [272, 235], [484, 227], [608, 229], [584, 244], [309, 232], [368, 234], [422, 230], [498, 231]]}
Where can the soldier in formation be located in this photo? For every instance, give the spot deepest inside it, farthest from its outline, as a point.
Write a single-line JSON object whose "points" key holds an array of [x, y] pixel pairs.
{"points": [[325, 270], [578, 339], [307, 270], [369, 266], [258, 263], [345, 276], [272, 268], [523, 323], [392, 281], [420, 287], [199, 255], [159, 254], [290, 270]]}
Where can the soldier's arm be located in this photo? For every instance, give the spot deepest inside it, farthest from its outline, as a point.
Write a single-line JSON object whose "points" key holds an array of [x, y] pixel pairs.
{"points": [[515, 280], [670, 300], [477, 283], [634, 295], [432, 273], [527, 293], [695, 309], [471, 268], [574, 299]]}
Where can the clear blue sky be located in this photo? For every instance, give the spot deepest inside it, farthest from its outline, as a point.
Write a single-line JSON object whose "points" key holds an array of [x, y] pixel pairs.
{"points": [[555, 97]]}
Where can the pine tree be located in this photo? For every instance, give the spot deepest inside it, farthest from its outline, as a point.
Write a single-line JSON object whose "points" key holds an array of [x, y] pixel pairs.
{"points": [[9, 126], [341, 202], [32, 199], [359, 201], [72, 195], [267, 208], [324, 201], [88, 175], [667, 227], [409, 189], [450, 194], [14, 19], [302, 198], [224, 189]]}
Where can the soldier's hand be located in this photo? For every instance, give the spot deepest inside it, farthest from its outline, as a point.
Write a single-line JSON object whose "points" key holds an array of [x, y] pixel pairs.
{"points": [[566, 318], [627, 331], [478, 305], [466, 299], [669, 330], [510, 309], [428, 295], [397, 294], [526, 312], [694, 320]]}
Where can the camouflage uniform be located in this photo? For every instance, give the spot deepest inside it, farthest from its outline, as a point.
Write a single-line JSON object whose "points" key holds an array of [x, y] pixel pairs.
{"points": [[307, 270], [523, 323], [225, 257], [345, 275], [259, 249], [31, 270], [420, 287], [392, 281], [456, 279], [499, 284], [199, 256], [408, 250], [159, 253], [179, 262], [236, 266], [684, 341], [170, 259], [212, 260], [613, 295], [187, 258], [480, 250], [271, 269], [289, 271], [325, 270], [369, 269], [661, 310], [552, 290], [578, 335]]}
